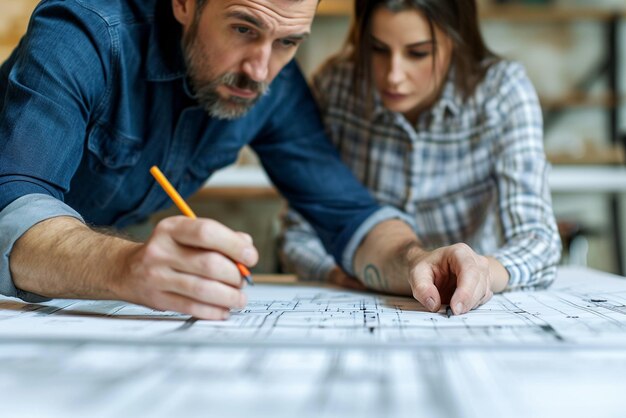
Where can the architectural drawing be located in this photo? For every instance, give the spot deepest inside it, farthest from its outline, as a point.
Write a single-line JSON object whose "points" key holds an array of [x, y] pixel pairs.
{"points": [[95, 380], [575, 311], [319, 352]]}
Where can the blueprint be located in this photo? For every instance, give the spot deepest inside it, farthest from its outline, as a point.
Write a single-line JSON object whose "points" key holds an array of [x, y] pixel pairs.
{"points": [[576, 311], [97, 381], [311, 351]]}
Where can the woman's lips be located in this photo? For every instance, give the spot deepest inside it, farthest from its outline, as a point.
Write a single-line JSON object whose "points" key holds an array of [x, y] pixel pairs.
{"points": [[394, 96]]}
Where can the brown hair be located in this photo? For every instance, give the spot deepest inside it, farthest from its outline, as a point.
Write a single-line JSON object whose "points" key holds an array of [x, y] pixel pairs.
{"points": [[458, 19], [201, 3]]}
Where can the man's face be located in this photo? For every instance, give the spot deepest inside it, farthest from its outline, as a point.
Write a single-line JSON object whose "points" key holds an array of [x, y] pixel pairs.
{"points": [[235, 48]]}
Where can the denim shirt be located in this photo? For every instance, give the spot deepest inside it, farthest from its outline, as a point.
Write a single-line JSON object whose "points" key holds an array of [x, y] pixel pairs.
{"points": [[96, 93]]}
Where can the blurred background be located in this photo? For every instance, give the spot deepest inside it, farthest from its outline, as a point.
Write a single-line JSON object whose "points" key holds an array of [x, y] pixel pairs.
{"points": [[574, 52]]}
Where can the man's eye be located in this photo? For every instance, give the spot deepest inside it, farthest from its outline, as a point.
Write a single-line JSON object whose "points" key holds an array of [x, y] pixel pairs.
{"points": [[287, 43], [242, 30]]}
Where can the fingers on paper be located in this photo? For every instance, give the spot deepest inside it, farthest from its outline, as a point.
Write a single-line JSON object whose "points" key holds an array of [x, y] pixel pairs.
{"points": [[472, 280], [188, 306], [208, 292], [423, 287]]}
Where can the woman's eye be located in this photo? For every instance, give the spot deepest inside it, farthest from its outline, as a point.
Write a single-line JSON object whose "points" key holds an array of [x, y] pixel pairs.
{"points": [[418, 55], [379, 49]]}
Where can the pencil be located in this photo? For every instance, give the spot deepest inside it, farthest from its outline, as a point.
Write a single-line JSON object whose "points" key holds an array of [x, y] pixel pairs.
{"points": [[186, 210], [449, 311]]}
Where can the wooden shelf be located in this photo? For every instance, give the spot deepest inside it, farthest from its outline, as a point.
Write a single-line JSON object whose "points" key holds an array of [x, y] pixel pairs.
{"points": [[509, 13], [275, 278], [579, 100], [238, 182], [588, 179], [548, 14], [237, 193], [250, 182], [335, 8]]}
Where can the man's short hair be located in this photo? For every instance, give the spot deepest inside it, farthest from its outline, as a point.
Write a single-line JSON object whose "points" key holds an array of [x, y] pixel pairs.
{"points": [[200, 5]]}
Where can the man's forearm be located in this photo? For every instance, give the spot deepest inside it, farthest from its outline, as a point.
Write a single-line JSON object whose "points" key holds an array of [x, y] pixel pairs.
{"points": [[63, 258], [381, 260]]}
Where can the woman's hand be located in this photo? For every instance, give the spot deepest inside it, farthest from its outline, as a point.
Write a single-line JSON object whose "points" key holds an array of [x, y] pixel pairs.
{"points": [[454, 275]]}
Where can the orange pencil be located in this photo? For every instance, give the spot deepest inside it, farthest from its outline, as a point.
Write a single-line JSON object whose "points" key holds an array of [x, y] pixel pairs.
{"points": [[186, 210]]}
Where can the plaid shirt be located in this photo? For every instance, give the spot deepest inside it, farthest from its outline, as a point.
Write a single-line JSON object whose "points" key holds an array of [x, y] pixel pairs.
{"points": [[469, 171]]}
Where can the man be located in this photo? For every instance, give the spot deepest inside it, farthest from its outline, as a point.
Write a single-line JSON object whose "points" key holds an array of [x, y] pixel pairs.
{"points": [[98, 91]]}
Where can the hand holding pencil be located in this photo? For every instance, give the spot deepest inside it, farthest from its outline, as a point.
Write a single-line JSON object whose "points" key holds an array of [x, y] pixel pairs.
{"points": [[189, 265], [186, 210]]}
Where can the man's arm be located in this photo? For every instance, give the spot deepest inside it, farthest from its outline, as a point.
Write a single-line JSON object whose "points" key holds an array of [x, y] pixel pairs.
{"points": [[185, 266], [391, 259]]}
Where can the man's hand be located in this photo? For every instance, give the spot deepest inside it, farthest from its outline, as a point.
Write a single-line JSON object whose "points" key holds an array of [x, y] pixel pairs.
{"points": [[187, 265], [454, 275]]}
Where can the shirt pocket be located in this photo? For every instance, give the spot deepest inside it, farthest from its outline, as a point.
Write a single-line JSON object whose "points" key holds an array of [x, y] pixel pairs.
{"points": [[111, 157]]}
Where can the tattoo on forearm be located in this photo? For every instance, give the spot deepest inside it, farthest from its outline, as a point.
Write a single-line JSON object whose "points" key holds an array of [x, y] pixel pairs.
{"points": [[373, 278]]}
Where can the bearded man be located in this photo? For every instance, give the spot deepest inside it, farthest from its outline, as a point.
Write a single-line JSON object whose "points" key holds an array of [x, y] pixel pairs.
{"points": [[98, 91]]}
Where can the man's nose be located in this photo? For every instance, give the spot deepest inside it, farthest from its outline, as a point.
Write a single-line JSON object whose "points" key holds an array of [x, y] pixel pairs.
{"points": [[256, 65]]}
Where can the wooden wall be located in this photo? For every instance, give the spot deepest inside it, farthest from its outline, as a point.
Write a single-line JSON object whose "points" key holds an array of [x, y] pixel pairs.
{"points": [[14, 15]]}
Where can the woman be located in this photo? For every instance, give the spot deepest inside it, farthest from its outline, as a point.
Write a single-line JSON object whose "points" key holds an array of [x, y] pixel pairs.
{"points": [[434, 123]]}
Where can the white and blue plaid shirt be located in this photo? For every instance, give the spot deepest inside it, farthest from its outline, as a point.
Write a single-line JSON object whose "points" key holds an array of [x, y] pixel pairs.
{"points": [[470, 171]]}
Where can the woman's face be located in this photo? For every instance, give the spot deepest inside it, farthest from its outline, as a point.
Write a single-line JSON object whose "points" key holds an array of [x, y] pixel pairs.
{"points": [[402, 60]]}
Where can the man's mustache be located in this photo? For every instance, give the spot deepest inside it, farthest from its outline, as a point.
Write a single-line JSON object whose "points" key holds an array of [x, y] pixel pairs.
{"points": [[243, 82]]}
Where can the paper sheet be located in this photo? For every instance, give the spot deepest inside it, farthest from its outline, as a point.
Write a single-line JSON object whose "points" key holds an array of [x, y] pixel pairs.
{"points": [[577, 310], [302, 351], [97, 381]]}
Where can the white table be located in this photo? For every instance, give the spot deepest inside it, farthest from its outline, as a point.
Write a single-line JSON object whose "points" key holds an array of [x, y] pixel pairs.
{"points": [[133, 362]]}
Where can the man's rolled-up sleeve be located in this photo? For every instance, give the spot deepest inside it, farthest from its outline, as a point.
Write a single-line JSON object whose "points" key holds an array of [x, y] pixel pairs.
{"points": [[17, 218], [49, 88]]}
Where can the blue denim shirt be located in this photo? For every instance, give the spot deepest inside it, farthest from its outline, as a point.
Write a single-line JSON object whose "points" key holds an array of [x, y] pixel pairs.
{"points": [[96, 93]]}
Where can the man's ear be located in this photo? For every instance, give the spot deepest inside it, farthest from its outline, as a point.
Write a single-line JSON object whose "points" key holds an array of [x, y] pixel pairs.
{"points": [[184, 11]]}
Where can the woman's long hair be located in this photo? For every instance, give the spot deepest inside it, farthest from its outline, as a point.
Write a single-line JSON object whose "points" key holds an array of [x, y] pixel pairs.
{"points": [[458, 19]]}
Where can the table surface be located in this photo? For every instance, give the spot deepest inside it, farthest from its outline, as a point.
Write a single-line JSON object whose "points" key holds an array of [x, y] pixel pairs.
{"points": [[110, 376]]}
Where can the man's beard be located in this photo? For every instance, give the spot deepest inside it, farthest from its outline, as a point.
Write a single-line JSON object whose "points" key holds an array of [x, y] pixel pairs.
{"points": [[205, 91]]}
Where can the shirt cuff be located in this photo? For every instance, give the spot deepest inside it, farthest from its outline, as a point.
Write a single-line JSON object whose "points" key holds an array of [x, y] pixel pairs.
{"points": [[17, 218], [384, 214]]}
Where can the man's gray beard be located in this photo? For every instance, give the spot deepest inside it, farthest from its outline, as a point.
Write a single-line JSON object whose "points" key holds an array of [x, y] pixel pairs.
{"points": [[205, 92], [227, 108]]}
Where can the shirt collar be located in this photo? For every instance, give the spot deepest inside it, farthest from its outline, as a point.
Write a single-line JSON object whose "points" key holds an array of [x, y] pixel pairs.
{"points": [[165, 61], [450, 99]]}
